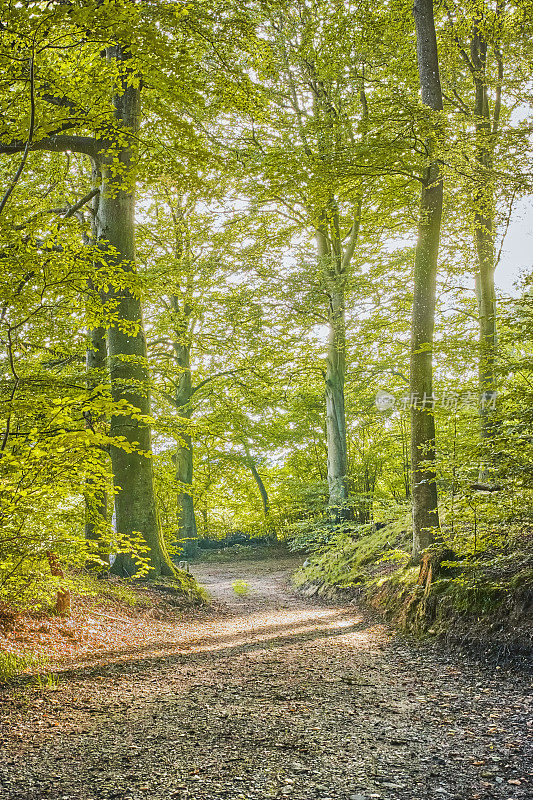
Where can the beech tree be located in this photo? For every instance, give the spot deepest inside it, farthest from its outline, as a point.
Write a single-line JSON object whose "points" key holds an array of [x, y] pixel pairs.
{"points": [[425, 501], [126, 43], [482, 69], [314, 115]]}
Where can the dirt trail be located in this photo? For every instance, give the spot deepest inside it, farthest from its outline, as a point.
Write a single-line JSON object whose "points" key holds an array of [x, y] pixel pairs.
{"points": [[270, 696]]}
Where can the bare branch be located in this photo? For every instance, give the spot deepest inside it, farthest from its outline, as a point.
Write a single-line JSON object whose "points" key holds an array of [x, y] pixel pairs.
{"points": [[500, 8], [71, 211], [462, 51], [507, 223]]}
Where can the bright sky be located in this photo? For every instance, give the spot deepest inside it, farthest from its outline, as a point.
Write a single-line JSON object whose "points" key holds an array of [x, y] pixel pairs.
{"points": [[517, 253]]}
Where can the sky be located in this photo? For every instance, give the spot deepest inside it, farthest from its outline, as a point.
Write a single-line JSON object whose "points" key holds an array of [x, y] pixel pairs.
{"points": [[517, 251]]}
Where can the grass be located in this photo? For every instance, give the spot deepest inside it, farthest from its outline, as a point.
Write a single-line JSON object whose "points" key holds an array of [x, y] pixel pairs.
{"points": [[14, 664], [490, 587], [351, 559], [125, 593], [240, 587], [116, 591], [47, 680]]}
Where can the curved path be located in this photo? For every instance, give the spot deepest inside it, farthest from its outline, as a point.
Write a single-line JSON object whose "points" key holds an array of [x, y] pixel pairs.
{"points": [[271, 696]]}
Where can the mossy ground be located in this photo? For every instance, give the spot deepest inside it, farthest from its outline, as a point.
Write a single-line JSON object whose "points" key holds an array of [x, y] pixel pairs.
{"points": [[490, 591]]}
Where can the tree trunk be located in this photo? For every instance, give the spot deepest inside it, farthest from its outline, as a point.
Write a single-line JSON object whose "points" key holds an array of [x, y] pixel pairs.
{"points": [[184, 474], [258, 479], [262, 491], [95, 495], [335, 411], [135, 504], [62, 607], [334, 378], [96, 366], [488, 386], [187, 528], [486, 131], [205, 519], [424, 491]]}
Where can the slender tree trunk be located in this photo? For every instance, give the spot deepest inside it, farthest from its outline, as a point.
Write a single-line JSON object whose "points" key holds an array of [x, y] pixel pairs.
{"points": [[425, 501], [205, 519], [96, 366], [488, 386], [262, 491], [62, 607], [335, 376], [335, 409], [95, 495], [486, 131], [135, 503], [187, 528], [258, 479], [184, 475]]}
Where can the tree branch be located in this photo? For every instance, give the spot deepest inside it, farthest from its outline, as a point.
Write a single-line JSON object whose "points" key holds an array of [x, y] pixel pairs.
{"points": [[86, 145], [500, 8], [71, 210], [462, 51], [27, 145], [216, 375], [67, 212]]}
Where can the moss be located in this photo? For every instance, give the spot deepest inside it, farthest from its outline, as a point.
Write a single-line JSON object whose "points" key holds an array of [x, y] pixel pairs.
{"points": [[112, 589], [465, 589], [351, 558], [522, 578], [182, 585], [477, 599], [133, 592]]}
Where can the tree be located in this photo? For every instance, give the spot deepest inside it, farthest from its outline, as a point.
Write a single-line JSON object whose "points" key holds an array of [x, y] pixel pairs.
{"points": [[315, 115], [482, 44], [425, 501], [112, 151], [135, 503]]}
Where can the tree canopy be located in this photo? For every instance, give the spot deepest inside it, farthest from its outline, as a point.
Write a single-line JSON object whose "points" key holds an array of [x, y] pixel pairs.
{"points": [[249, 278]]}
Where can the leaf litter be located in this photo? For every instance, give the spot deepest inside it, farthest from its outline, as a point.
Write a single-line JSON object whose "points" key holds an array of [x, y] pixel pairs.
{"points": [[264, 695]]}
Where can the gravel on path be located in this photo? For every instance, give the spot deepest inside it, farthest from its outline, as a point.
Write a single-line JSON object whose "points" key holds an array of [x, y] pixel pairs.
{"points": [[270, 695]]}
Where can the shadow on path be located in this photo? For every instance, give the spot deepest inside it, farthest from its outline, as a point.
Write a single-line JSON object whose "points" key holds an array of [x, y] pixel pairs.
{"points": [[226, 647]]}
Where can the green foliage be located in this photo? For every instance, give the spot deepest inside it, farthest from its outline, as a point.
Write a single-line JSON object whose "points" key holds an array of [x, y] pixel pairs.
{"points": [[353, 555], [240, 588], [262, 124], [13, 664], [114, 590]]}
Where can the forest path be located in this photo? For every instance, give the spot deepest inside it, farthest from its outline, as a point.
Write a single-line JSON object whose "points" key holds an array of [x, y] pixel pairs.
{"points": [[270, 695]]}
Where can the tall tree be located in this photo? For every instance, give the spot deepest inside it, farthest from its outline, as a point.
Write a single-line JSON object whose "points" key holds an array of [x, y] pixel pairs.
{"points": [[425, 500], [135, 502], [112, 150], [483, 58], [204, 317], [305, 156], [96, 498]]}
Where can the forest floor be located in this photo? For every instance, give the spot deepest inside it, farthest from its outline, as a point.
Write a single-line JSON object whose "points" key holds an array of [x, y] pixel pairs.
{"points": [[267, 695]]}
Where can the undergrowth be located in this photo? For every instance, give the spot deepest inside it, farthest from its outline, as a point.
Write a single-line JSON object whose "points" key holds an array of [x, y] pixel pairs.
{"points": [[14, 664], [240, 552], [116, 591], [351, 555], [374, 561]]}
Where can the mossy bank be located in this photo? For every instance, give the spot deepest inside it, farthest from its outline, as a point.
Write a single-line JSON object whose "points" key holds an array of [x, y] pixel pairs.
{"points": [[481, 600]]}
